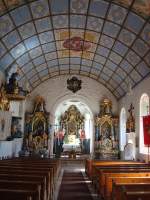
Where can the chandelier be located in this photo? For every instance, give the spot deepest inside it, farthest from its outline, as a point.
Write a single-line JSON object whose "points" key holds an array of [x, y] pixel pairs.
{"points": [[74, 84]]}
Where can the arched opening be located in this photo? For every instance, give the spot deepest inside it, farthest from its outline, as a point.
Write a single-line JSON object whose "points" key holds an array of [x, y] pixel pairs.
{"points": [[85, 144], [144, 111], [122, 129]]}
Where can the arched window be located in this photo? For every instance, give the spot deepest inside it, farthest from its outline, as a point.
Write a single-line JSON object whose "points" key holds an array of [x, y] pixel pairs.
{"points": [[122, 129], [144, 110]]}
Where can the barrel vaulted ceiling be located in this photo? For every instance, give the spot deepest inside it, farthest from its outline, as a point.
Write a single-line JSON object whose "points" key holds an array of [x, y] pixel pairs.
{"points": [[107, 40]]}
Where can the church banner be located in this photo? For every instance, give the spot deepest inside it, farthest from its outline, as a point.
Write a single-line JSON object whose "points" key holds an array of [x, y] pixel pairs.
{"points": [[146, 129]]}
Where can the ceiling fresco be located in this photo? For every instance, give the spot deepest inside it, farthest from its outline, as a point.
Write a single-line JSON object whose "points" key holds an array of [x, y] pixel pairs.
{"points": [[106, 40]]}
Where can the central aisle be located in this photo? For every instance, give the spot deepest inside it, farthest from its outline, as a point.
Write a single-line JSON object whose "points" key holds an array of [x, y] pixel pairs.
{"points": [[74, 186]]}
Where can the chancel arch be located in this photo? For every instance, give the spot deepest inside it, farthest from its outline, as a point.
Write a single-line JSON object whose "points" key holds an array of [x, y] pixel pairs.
{"points": [[144, 111], [72, 73], [74, 122]]}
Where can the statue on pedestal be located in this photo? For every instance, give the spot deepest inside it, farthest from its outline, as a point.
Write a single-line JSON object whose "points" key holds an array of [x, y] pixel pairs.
{"points": [[130, 125]]}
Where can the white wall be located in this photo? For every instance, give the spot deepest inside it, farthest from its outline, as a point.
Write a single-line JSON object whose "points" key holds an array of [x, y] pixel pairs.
{"points": [[55, 91], [134, 98]]}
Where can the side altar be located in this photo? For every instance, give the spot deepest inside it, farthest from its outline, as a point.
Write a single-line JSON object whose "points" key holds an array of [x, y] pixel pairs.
{"points": [[37, 129], [106, 133]]}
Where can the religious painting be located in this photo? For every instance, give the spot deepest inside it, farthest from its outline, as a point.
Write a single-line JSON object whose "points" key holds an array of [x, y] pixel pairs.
{"points": [[76, 44], [5, 124]]}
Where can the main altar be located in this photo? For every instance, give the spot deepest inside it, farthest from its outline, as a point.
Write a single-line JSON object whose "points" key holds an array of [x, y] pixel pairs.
{"points": [[106, 132], [70, 136]]}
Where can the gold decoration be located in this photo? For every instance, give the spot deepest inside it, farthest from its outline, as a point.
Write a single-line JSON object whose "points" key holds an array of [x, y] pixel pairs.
{"points": [[72, 121], [106, 134], [106, 107], [4, 102], [37, 127]]}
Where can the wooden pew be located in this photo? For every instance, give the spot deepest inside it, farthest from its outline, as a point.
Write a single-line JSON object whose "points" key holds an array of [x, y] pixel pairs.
{"points": [[120, 181], [132, 191], [12, 194], [40, 162], [98, 169], [28, 178], [28, 166], [25, 171], [29, 189], [50, 172], [90, 163], [101, 172], [107, 190]]}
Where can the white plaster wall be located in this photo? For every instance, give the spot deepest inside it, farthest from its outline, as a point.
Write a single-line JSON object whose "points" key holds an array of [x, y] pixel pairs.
{"points": [[55, 91], [134, 98]]}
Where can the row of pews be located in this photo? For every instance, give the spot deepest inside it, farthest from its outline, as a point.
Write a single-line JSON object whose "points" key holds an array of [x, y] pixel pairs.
{"points": [[28, 178], [120, 180]]}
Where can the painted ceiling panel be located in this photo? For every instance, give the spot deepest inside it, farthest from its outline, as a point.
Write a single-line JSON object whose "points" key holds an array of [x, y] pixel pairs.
{"points": [[108, 40], [142, 68], [120, 48], [21, 15]]}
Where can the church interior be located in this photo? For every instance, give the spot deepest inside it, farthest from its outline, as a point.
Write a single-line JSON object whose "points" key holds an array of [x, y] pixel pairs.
{"points": [[74, 99]]}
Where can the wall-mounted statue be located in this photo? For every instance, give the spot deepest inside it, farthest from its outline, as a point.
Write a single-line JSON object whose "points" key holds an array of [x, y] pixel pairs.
{"points": [[130, 125], [37, 127], [106, 132]]}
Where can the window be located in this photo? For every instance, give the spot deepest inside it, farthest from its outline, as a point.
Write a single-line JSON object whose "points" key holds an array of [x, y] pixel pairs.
{"points": [[144, 110], [122, 129]]}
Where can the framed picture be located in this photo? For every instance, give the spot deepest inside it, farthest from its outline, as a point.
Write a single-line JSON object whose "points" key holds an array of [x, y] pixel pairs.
{"points": [[5, 124]]}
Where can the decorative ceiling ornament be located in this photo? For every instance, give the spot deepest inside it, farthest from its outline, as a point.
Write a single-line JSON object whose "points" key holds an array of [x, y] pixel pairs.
{"points": [[76, 44], [74, 84]]}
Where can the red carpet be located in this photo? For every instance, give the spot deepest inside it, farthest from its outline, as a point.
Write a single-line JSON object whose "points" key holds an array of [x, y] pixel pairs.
{"points": [[73, 187]]}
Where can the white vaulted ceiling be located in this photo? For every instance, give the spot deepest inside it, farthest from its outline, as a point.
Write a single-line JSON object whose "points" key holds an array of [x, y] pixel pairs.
{"points": [[106, 40]]}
